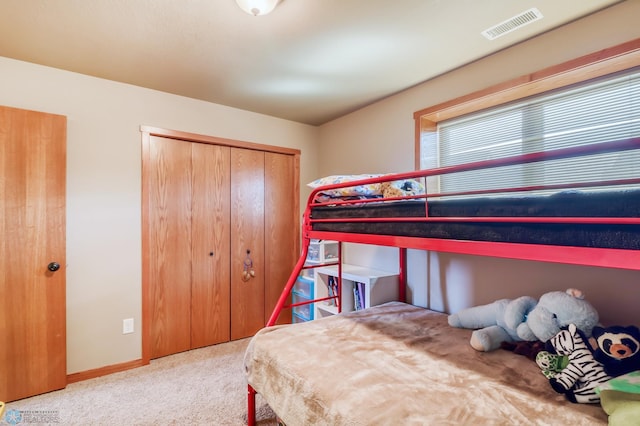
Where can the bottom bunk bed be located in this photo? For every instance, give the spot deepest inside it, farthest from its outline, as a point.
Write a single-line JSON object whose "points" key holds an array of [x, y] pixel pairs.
{"points": [[398, 364], [401, 364]]}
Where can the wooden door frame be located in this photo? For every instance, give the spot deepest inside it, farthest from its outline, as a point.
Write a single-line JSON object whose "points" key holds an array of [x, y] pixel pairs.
{"points": [[147, 133]]}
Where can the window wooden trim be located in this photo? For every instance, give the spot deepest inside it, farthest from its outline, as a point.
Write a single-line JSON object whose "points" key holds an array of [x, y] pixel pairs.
{"points": [[618, 58]]}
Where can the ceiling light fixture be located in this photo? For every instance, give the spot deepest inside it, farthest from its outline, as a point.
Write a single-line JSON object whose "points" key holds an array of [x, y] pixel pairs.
{"points": [[257, 7]]}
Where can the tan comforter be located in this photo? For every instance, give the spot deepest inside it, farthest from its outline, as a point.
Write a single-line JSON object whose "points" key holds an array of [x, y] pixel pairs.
{"points": [[397, 364]]}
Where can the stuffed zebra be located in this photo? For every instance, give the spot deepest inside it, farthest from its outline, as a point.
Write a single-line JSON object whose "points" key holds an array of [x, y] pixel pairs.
{"points": [[579, 379]]}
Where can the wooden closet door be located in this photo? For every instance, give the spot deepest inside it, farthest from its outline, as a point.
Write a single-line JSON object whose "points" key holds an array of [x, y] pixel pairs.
{"points": [[281, 228], [210, 289], [170, 246], [32, 230], [247, 234]]}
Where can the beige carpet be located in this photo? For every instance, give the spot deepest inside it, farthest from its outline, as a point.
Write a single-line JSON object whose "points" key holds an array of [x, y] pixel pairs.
{"points": [[200, 387]]}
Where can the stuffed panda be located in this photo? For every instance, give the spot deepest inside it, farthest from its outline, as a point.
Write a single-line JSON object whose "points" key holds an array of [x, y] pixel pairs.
{"points": [[618, 349]]}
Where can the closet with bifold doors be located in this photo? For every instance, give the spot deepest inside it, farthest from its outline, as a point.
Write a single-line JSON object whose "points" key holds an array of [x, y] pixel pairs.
{"points": [[218, 240]]}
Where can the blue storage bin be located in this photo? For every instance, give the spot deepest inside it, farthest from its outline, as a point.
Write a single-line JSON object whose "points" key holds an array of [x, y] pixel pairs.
{"points": [[304, 287], [295, 319], [304, 312]]}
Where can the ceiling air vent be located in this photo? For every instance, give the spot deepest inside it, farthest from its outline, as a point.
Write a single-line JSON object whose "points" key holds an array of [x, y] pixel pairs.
{"points": [[512, 24]]}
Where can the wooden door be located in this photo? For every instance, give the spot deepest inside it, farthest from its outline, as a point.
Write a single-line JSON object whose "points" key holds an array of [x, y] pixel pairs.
{"points": [[32, 235], [281, 225], [247, 242], [169, 221], [210, 290]]}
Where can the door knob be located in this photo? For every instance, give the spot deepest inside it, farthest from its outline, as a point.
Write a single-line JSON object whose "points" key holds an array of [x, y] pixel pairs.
{"points": [[53, 266]]}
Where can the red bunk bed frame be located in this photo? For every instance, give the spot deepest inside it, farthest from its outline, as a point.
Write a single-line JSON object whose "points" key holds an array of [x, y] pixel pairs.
{"points": [[590, 256]]}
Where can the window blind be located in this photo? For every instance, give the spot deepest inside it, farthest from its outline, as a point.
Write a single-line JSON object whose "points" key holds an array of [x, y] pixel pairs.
{"points": [[598, 112]]}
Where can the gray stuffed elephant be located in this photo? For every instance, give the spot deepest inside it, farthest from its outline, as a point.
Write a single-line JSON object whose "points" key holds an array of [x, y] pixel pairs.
{"points": [[525, 318], [555, 310]]}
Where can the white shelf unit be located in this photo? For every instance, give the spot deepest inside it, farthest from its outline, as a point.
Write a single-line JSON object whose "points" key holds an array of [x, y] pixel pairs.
{"points": [[379, 287]]}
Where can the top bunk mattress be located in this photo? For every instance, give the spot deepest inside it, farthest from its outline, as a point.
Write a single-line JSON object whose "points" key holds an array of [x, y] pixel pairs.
{"points": [[398, 364], [566, 204]]}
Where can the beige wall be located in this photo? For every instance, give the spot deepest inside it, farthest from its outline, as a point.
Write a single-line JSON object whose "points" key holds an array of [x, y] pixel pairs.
{"points": [[380, 138], [104, 189]]}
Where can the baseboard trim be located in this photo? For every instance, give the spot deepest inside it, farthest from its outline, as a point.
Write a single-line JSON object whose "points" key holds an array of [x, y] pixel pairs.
{"points": [[103, 371]]}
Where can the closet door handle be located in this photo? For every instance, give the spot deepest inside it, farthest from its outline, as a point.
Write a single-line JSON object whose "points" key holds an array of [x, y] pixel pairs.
{"points": [[53, 266], [248, 271]]}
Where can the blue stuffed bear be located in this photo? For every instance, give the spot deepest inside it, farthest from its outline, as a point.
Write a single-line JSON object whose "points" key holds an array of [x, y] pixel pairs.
{"points": [[525, 319]]}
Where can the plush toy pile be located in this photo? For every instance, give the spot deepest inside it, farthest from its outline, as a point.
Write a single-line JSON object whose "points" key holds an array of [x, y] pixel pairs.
{"points": [[561, 332]]}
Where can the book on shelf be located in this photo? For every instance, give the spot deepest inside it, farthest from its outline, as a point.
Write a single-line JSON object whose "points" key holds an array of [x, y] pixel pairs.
{"points": [[358, 296], [332, 287]]}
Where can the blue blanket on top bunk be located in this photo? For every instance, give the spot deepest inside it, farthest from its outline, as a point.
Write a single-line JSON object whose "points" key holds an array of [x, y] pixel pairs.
{"points": [[620, 203]]}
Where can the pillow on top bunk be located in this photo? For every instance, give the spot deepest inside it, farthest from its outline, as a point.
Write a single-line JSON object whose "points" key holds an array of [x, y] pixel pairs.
{"points": [[407, 186], [352, 191]]}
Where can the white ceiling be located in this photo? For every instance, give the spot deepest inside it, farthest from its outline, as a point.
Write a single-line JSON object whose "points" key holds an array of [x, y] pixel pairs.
{"points": [[309, 61]]}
